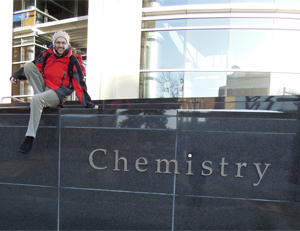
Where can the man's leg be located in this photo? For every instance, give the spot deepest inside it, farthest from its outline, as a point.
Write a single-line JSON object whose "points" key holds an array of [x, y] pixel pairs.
{"points": [[44, 96], [34, 77], [38, 102]]}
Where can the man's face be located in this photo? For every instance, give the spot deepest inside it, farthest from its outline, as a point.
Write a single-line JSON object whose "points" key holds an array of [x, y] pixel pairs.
{"points": [[60, 46]]}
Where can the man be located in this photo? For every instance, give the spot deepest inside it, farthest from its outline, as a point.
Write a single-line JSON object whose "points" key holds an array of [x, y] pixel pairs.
{"points": [[51, 82]]}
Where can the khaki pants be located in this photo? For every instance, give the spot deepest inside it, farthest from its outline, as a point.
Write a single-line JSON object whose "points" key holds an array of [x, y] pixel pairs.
{"points": [[43, 97]]}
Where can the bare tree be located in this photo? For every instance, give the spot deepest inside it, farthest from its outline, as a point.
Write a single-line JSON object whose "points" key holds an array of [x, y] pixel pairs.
{"points": [[170, 84]]}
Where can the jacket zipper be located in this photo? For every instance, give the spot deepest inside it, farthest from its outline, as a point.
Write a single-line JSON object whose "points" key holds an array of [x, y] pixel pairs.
{"points": [[62, 82]]}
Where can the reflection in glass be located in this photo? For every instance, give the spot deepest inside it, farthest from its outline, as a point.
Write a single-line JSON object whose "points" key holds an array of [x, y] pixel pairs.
{"points": [[250, 49], [267, 22], [28, 20], [16, 54], [24, 19], [193, 22], [191, 2], [248, 83], [39, 50], [206, 49], [42, 42], [164, 84], [17, 5], [17, 20], [153, 119], [28, 4], [287, 1], [155, 3], [162, 50], [252, 1], [286, 53], [27, 53], [27, 40], [204, 84], [287, 23], [16, 42], [164, 23], [285, 84], [218, 84]]}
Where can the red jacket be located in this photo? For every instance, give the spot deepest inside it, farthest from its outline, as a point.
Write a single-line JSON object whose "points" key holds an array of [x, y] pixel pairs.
{"points": [[55, 73]]}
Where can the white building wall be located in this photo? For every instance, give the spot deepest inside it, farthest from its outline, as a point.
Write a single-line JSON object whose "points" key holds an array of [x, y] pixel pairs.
{"points": [[6, 17], [114, 34]]}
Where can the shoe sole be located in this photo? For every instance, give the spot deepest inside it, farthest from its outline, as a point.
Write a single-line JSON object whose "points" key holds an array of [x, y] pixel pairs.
{"points": [[23, 152]]}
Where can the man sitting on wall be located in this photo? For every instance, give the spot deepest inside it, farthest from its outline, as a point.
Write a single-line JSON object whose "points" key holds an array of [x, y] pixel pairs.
{"points": [[53, 78]]}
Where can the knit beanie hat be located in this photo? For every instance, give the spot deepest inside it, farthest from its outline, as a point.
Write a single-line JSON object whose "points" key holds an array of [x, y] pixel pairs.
{"points": [[61, 33]]}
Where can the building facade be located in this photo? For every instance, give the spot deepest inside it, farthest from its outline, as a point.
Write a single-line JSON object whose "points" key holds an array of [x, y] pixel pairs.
{"points": [[196, 48], [167, 48]]}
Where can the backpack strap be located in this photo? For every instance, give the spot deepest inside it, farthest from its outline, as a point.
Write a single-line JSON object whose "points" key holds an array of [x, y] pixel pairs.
{"points": [[45, 60], [72, 62]]}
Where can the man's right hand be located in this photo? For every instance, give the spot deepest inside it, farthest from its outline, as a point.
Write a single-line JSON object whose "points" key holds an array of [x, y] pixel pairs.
{"points": [[13, 80]]}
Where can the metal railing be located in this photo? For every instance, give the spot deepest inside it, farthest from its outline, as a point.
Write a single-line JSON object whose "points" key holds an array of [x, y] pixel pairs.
{"points": [[16, 97]]}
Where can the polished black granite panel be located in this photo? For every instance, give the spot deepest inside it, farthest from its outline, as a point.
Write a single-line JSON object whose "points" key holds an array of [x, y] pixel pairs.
{"points": [[102, 167], [20, 117], [275, 122], [28, 207], [38, 168], [282, 103], [119, 121], [110, 210], [236, 165], [131, 144], [228, 214], [244, 154]]}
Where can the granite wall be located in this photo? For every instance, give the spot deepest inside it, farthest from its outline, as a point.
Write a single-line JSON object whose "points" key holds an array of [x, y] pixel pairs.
{"points": [[142, 169]]}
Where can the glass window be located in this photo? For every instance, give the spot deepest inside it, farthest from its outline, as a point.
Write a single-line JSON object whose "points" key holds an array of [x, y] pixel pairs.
{"points": [[161, 84], [42, 42], [39, 50], [248, 83], [42, 5], [27, 53], [16, 67], [164, 23], [206, 49], [287, 1], [191, 2], [204, 84], [252, 1], [162, 50], [24, 19], [286, 53], [16, 57], [28, 4], [287, 23], [268, 22], [154, 3], [17, 5], [285, 84], [208, 22], [250, 49], [17, 20], [16, 42], [56, 10], [29, 18], [27, 40], [83, 7]]}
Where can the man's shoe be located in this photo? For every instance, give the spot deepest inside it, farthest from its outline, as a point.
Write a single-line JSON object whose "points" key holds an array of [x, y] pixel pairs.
{"points": [[26, 146]]}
